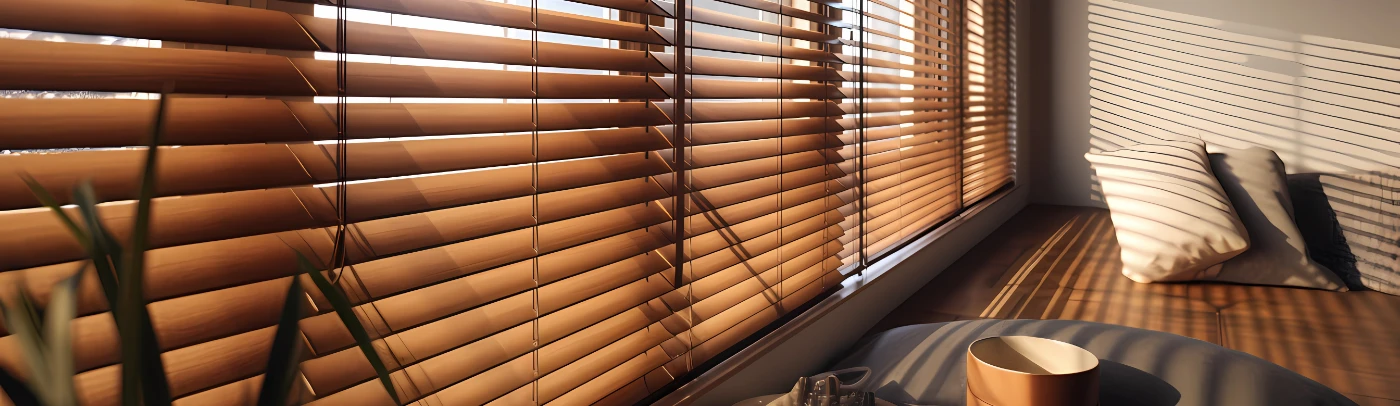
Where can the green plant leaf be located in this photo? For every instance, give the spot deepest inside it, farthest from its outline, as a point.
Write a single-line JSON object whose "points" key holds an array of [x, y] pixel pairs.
{"points": [[45, 343], [98, 244], [22, 321], [58, 339], [107, 257], [45, 198], [16, 390], [140, 348], [104, 249], [352, 323], [282, 361]]}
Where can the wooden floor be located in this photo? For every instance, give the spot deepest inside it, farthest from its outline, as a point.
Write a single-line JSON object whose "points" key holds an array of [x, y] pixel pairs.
{"points": [[1054, 262]]}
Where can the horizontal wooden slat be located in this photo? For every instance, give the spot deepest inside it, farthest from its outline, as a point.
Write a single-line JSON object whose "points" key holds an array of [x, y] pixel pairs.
{"points": [[70, 123], [707, 65], [778, 8], [513, 16], [719, 42], [702, 15], [61, 66], [721, 132], [718, 154], [709, 112], [894, 92], [931, 66], [386, 80], [652, 7], [886, 107], [36, 65], [170, 20], [882, 78], [751, 89], [895, 119], [375, 39]]}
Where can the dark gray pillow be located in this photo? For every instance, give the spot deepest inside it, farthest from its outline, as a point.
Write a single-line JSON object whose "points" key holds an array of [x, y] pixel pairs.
{"points": [[1254, 180], [1323, 234]]}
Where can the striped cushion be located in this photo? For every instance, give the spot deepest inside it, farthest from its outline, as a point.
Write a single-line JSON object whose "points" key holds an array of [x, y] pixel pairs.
{"points": [[1172, 218]]}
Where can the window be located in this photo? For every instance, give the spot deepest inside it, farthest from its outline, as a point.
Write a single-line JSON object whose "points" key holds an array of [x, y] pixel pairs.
{"points": [[534, 202]]}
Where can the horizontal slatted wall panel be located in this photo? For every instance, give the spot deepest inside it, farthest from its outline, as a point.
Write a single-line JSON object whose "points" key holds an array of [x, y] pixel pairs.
{"points": [[988, 127], [904, 64]]}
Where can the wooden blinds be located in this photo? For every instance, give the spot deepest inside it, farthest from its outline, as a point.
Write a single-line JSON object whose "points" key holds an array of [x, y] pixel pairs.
{"points": [[903, 60], [988, 125], [544, 201]]}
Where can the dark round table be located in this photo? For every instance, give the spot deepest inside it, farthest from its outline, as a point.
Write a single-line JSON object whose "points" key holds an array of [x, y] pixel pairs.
{"points": [[925, 365]]}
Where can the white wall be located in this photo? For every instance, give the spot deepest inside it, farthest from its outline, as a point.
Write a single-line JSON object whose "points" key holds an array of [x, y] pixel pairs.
{"points": [[1318, 81]]}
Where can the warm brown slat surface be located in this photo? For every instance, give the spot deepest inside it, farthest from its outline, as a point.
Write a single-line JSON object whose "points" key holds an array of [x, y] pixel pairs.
{"points": [[42, 66], [507, 15], [385, 80], [1066, 259], [746, 46], [173, 20], [375, 39], [774, 7], [58, 66], [66, 123], [732, 21], [728, 67]]}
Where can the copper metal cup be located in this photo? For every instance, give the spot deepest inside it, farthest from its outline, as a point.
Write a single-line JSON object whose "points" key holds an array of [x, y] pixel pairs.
{"points": [[1030, 371]]}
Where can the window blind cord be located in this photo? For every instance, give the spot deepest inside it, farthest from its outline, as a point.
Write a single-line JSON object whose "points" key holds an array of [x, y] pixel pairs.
{"points": [[535, 196], [339, 248], [826, 124], [860, 133], [681, 133], [961, 103], [678, 134], [778, 40]]}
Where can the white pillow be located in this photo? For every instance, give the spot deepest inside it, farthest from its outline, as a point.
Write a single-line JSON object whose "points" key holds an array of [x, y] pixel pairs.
{"points": [[1173, 220]]}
